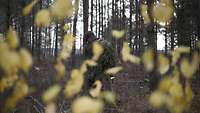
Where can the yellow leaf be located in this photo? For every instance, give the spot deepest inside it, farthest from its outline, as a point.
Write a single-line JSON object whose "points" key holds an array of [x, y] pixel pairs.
{"points": [[51, 108], [125, 52], [75, 83], [127, 56], [97, 50], [167, 2], [175, 57], [188, 92], [87, 105], [12, 38], [25, 60], [20, 91], [62, 9], [187, 68], [134, 59], [162, 12], [7, 82], [118, 34], [43, 18], [90, 63], [114, 70], [165, 84], [60, 69], [176, 90], [163, 64], [51, 93], [182, 49], [67, 44], [95, 92], [2, 85], [83, 68], [148, 59], [157, 99], [195, 62], [109, 96], [9, 62], [66, 27], [29, 7], [145, 14]]}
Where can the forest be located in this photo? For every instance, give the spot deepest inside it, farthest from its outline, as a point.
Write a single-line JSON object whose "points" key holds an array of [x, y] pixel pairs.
{"points": [[99, 56]]}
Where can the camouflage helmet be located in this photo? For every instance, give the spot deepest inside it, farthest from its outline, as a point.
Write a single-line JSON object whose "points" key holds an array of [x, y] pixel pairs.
{"points": [[90, 37]]}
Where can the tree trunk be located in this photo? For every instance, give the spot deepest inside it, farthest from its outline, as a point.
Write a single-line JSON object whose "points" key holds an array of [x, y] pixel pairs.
{"points": [[85, 18]]}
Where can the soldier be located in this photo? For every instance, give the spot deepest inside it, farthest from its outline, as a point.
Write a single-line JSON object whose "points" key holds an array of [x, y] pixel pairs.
{"points": [[106, 60]]}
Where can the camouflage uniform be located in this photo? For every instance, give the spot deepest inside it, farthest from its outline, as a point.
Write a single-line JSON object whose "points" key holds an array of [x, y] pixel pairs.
{"points": [[106, 60]]}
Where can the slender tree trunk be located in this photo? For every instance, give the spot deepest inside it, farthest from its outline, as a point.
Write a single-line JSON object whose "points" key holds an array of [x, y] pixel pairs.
{"points": [[4, 15], [56, 40], [85, 18], [136, 25], [91, 21], [96, 17], [74, 32], [166, 42], [99, 12], [131, 24]]}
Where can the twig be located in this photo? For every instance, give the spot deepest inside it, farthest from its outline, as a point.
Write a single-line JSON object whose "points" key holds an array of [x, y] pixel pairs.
{"points": [[37, 109]]}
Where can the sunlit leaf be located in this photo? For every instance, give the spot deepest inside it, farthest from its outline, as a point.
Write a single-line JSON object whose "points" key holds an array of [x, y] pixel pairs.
{"points": [[188, 92], [20, 91], [29, 7], [189, 68], [109, 96], [144, 13], [125, 52], [167, 2], [186, 68], [118, 34], [43, 18], [87, 105], [9, 60], [51, 108], [134, 59], [163, 64], [127, 56], [182, 49], [83, 67], [12, 38], [165, 84], [97, 50], [176, 90], [175, 57], [162, 12], [67, 44], [66, 27], [114, 70], [2, 85], [75, 83], [51, 93], [148, 59], [157, 99], [60, 69], [62, 9], [95, 92], [7, 82], [25, 60], [90, 63]]}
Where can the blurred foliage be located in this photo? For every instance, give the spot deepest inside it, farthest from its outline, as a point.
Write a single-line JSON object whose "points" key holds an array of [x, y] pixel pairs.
{"points": [[174, 90]]}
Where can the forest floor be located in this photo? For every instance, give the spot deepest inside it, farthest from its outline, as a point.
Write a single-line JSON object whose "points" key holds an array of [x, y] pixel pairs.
{"points": [[131, 88]]}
